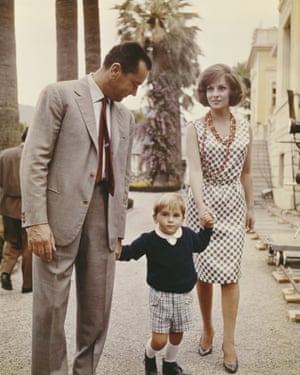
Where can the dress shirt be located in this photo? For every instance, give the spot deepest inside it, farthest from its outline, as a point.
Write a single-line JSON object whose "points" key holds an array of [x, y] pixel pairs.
{"points": [[171, 238], [97, 97]]}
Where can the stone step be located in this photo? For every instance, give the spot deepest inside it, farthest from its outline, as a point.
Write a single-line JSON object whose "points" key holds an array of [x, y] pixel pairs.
{"points": [[261, 170]]}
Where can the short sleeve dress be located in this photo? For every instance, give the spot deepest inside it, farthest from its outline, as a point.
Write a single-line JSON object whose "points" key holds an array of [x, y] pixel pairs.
{"points": [[224, 195]]}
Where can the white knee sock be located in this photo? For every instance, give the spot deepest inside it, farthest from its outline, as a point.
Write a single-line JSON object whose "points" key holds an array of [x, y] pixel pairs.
{"points": [[150, 352], [171, 352]]}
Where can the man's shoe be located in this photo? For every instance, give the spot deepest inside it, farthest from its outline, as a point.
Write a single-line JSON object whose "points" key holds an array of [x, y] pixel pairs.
{"points": [[172, 368], [5, 281], [26, 290], [150, 366]]}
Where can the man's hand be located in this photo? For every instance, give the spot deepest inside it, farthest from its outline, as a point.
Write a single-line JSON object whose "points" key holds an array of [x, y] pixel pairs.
{"points": [[41, 241]]}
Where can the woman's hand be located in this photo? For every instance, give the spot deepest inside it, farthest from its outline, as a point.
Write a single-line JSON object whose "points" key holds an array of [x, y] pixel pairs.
{"points": [[207, 218], [249, 221]]}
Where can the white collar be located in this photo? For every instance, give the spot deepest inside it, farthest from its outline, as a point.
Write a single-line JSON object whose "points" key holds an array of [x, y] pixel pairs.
{"points": [[172, 239], [96, 92]]}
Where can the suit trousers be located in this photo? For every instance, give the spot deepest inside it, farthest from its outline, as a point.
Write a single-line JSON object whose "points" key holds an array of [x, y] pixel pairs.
{"points": [[95, 270], [15, 245]]}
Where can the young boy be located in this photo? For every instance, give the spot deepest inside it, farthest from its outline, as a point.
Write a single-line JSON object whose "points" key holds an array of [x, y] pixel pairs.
{"points": [[171, 276]]}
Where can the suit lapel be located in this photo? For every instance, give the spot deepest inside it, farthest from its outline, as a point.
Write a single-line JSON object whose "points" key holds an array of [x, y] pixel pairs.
{"points": [[85, 105]]}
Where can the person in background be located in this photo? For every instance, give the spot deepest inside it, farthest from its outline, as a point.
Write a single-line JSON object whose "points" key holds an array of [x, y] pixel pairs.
{"points": [[15, 237], [171, 276], [75, 173], [219, 159]]}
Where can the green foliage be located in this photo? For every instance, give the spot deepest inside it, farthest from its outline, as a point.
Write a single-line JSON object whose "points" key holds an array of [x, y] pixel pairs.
{"points": [[165, 30], [138, 116], [158, 132], [149, 188], [244, 72]]}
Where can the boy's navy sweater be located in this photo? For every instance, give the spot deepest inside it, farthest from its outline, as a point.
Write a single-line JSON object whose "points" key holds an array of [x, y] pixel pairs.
{"points": [[170, 268]]}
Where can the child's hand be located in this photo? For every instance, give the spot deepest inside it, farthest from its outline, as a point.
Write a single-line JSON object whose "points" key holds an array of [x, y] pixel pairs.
{"points": [[207, 220], [118, 250]]}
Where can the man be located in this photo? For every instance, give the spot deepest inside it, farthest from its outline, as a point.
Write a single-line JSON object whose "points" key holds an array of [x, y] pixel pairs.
{"points": [[71, 218], [10, 208]]}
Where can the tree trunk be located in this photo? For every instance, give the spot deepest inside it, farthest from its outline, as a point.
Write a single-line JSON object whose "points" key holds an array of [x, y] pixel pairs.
{"points": [[91, 35], [66, 40], [175, 159], [178, 155], [9, 113]]}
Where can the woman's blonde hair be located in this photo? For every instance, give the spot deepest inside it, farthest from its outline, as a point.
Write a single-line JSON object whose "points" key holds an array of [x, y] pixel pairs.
{"points": [[214, 72], [169, 200]]}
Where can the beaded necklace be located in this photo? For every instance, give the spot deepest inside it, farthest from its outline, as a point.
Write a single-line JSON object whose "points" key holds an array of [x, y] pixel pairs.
{"points": [[208, 123]]}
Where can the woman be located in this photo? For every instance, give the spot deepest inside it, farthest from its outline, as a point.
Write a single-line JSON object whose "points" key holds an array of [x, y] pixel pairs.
{"points": [[219, 158]]}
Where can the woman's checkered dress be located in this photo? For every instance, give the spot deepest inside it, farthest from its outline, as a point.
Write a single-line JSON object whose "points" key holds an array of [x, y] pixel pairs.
{"points": [[224, 195]]}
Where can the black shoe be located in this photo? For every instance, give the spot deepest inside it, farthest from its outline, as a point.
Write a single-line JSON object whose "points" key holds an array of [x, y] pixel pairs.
{"points": [[26, 290], [231, 368], [5, 281], [172, 368], [150, 366]]}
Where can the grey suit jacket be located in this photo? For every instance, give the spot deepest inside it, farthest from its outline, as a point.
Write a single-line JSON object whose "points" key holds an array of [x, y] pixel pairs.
{"points": [[60, 160]]}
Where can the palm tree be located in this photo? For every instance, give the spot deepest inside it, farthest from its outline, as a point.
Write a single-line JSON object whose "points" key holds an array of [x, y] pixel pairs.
{"points": [[91, 35], [9, 114], [244, 72], [66, 39], [165, 31]]}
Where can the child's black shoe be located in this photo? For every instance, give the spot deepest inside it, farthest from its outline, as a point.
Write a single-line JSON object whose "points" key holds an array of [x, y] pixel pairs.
{"points": [[150, 366], [172, 368]]}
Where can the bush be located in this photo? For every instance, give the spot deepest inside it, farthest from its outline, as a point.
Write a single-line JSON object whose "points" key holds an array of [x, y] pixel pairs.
{"points": [[147, 187]]}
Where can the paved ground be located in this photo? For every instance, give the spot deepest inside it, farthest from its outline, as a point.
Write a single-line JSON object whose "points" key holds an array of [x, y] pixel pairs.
{"points": [[267, 341]]}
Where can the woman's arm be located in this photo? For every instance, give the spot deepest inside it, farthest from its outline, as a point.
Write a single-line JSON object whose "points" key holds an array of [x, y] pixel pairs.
{"points": [[195, 171]]}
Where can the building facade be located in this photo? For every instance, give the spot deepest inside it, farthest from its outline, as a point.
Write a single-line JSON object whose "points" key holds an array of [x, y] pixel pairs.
{"points": [[274, 63]]}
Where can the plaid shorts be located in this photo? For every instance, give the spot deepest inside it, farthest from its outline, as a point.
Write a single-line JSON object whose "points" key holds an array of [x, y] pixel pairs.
{"points": [[170, 312]]}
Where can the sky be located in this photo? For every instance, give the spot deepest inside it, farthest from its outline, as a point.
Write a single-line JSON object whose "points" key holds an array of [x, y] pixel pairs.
{"points": [[227, 29]]}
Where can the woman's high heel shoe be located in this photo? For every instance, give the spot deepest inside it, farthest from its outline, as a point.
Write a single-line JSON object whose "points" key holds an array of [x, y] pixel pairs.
{"points": [[204, 351], [232, 367]]}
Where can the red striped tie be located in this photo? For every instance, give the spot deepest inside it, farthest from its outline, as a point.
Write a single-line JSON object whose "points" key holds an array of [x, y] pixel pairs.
{"points": [[104, 141]]}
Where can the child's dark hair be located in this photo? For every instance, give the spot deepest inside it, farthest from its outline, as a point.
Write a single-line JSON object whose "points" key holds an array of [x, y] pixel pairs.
{"points": [[214, 72]]}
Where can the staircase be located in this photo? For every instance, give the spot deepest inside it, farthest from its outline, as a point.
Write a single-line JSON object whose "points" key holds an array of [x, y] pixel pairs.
{"points": [[261, 172]]}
